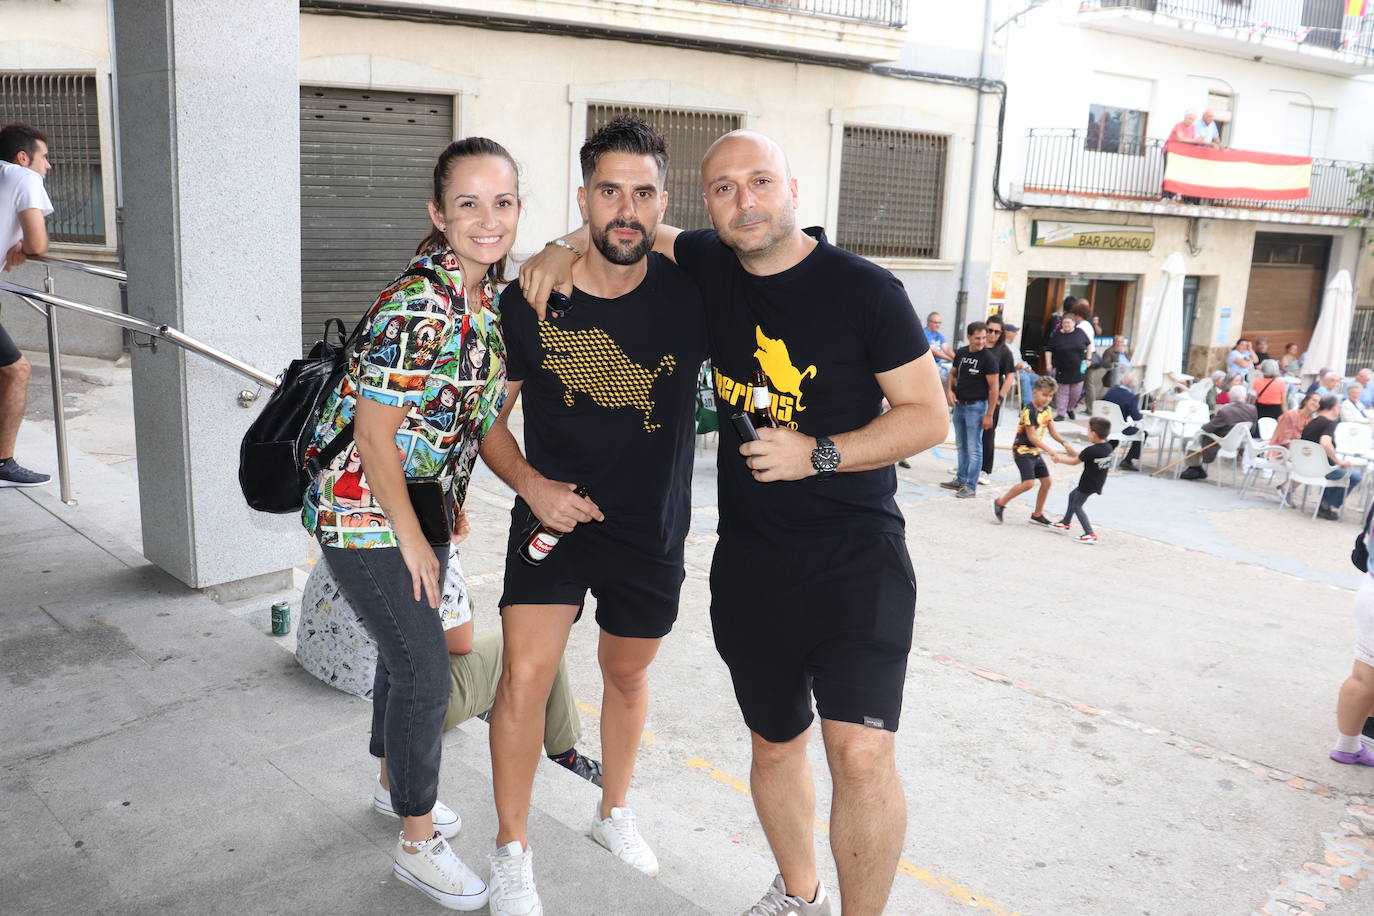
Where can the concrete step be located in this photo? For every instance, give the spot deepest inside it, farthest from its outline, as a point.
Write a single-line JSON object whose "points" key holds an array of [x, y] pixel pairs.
{"points": [[162, 753]]}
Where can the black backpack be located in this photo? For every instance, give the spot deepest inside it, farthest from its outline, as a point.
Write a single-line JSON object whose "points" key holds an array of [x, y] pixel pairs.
{"points": [[272, 468], [272, 454]]}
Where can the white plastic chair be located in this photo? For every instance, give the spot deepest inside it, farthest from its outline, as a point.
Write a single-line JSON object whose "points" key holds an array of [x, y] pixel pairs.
{"points": [[1355, 441], [1307, 465], [1267, 425], [1197, 391], [1267, 458], [1227, 446], [1112, 414]]}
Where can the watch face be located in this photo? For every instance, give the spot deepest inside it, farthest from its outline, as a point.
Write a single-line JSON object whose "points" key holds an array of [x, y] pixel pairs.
{"points": [[825, 458]]}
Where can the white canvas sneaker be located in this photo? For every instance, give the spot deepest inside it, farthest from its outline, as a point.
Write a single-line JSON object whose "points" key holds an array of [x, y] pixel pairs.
{"points": [[620, 835], [512, 882], [438, 873], [446, 820], [777, 902]]}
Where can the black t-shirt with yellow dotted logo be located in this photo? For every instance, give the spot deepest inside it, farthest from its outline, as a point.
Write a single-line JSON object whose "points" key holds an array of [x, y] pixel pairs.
{"points": [[821, 330], [609, 395]]}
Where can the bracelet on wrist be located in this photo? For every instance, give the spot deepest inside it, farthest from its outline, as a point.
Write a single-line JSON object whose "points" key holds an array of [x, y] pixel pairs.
{"points": [[568, 245]]}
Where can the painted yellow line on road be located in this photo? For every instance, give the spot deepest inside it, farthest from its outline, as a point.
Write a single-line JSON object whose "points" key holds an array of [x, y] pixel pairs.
{"points": [[936, 883]]}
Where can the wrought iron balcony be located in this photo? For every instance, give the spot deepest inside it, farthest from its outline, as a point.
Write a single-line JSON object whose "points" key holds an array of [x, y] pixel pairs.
{"points": [[874, 12], [1313, 33], [1063, 162]]}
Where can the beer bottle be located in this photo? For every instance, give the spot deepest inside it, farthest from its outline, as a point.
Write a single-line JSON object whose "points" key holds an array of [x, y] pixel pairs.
{"points": [[543, 539], [762, 408]]}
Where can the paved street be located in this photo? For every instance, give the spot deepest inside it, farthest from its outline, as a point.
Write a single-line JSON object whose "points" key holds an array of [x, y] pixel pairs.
{"points": [[1134, 727]]}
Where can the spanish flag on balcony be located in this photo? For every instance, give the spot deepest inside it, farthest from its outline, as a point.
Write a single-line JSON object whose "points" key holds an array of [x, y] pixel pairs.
{"points": [[1357, 7], [1232, 174]]}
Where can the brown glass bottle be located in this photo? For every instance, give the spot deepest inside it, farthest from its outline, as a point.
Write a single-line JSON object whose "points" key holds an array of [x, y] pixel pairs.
{"points": [[761, 408], [543, 539]]}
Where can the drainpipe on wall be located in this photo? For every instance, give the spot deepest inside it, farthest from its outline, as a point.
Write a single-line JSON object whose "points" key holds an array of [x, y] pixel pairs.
{"points": [[961, 298]]}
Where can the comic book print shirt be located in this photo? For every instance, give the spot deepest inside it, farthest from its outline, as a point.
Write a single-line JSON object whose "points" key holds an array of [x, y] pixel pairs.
{"points": [[429, 349], [1030, 418]]}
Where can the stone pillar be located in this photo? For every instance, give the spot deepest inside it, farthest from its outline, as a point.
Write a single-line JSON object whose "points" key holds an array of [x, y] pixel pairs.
{"points": [[209, 110]]}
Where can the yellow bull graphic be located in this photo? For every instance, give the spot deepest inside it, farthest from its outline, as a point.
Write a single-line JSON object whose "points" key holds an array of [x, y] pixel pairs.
{"points": [[590, 362], [777, 365]]}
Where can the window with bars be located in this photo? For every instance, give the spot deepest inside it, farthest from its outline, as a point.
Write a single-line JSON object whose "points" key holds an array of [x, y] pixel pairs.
{"points": [[688, 135], [63, 106], [892, 192]]}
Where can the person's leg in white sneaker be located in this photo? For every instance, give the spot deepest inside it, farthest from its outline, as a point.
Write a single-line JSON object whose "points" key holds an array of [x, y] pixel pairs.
{"points": [[535, 637], [867, 813], [785, 799], [624, 705]]}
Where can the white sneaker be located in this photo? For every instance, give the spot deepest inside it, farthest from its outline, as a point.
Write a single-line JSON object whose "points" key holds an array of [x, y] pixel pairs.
{"points": [[777, 902], [512, 882], [620, 835], [438, 873], [446, 820]]}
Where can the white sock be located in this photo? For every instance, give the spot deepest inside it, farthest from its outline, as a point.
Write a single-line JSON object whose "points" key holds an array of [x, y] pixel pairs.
{"points": [[1348, 744]]}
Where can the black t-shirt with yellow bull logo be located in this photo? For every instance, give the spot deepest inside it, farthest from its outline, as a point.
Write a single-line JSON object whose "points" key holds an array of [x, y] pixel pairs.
{"points": [[821, 331], [609, 400]]}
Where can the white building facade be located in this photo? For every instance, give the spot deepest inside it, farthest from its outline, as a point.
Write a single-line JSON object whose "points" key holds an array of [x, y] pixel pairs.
{"points": [[1097, 86], [883, 163]]}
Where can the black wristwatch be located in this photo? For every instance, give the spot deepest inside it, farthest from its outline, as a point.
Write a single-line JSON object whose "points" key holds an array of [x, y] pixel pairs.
{"points": [[825, 458]]}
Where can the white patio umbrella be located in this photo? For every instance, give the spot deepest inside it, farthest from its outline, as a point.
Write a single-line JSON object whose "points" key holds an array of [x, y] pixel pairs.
{"points": [[1161, 332], [1331, 337]]}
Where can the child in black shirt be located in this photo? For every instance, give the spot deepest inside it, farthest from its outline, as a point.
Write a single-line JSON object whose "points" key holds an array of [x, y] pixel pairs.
{"points": [[1096, 460]]}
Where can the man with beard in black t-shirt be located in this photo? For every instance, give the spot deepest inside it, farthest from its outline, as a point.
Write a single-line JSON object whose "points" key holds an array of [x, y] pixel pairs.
{"points": [[812, 590], [608, 391]]}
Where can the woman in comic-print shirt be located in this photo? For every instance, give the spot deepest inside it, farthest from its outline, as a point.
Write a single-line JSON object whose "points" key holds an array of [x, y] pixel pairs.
{"points": [[419, 408]]}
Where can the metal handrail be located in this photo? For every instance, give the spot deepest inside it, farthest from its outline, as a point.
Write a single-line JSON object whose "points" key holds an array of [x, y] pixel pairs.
{"points": [[109, 273], [161, 331], [33, 298]]}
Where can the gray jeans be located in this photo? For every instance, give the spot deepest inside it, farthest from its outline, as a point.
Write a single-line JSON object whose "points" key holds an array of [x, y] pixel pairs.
{"points": [[1075, 510], [411, 690]]}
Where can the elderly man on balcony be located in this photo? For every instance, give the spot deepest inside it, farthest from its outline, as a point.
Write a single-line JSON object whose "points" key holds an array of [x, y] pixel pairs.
{"points": [[1207, 130]]}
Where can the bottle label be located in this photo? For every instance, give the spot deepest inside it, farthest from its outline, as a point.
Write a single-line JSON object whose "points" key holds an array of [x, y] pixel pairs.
{"points": [[760, 398], [540, 545]]}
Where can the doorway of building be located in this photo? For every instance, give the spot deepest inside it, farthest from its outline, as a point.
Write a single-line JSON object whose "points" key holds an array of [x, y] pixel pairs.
{"points": [[1190, 288], [1110, 298]]}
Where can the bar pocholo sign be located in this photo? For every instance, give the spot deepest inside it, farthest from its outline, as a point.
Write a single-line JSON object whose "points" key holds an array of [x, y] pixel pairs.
{"points": [[1055, 234]]}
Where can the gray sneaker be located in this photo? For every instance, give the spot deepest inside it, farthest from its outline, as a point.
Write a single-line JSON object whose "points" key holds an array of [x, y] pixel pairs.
{"points": [[965, 493], [13, 474], [777, 902]]}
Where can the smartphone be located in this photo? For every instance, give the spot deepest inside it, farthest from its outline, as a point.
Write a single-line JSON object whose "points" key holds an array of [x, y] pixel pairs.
{"points": [[745, 427]]}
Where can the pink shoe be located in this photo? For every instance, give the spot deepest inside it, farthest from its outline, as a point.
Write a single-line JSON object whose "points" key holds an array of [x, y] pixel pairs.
{"points": [[1363, 758]]}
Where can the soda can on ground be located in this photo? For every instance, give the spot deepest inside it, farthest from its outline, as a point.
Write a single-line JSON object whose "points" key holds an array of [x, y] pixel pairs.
{"points": [[281, 618]]}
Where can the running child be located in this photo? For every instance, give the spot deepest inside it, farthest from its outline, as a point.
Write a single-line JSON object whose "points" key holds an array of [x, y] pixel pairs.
{"points": [[1035, 420], [1097, 461]]}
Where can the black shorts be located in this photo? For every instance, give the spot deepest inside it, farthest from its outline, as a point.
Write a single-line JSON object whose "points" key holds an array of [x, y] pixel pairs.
{"points": [[835, 623], [636, 592], [1032, 467], [9, 353]]}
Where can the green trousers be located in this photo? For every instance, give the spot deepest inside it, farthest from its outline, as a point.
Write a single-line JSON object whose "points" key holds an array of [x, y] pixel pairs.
{"points": [[473, 679]]}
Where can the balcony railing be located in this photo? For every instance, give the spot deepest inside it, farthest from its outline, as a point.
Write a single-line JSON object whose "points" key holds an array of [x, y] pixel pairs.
{"points": [[874, 12], [1314, 23], [1059, 161]]}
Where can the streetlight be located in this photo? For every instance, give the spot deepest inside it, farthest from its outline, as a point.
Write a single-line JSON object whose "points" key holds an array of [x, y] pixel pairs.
{"points": [[1311, 113]]}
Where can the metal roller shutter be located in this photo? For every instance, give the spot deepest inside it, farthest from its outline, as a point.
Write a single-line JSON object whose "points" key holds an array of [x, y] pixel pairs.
{"points": [[367, 160]]}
